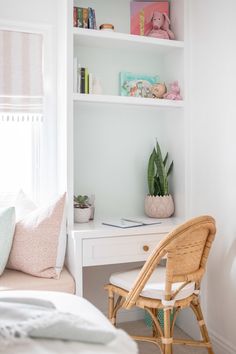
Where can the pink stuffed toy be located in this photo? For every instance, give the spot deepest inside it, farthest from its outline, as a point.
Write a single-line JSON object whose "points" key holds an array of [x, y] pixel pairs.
{"points": [[160, 26], [174, 93]]}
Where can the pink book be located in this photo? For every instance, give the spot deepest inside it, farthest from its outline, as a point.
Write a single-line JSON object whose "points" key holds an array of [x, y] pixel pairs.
{"points": [[141, 15]]}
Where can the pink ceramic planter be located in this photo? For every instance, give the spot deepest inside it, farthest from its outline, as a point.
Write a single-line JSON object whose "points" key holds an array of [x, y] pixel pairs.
{"points": [[159, 206], [82, 215]]}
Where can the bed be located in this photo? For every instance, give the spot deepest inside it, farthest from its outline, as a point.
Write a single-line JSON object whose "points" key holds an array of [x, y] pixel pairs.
{"points": [[70, 304]]}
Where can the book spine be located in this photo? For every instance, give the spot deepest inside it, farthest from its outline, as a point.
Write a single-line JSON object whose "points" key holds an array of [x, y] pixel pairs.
{"points": [[86, 90], [80, 17], [90, 83], [82, 82], [94, 20], [79, 78], [90, 18], [75, 17], [85, 17]]}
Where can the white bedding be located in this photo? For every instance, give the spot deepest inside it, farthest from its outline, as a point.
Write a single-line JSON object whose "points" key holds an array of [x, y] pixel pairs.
{"points": [[122, 344]]}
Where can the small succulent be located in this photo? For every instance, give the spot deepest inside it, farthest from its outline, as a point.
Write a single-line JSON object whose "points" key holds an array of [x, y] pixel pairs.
{"points": [[158, 173], [81, 201]]}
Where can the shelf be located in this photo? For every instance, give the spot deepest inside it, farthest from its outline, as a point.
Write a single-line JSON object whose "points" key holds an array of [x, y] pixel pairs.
{"points": [[136, 101], [115, 40]]}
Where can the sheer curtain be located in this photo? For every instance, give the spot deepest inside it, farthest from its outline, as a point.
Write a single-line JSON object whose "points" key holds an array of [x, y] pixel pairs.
{"points": [[21, 111]]}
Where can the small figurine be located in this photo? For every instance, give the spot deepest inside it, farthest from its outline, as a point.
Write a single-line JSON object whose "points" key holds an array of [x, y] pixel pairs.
{"points": [[158, 90], [96, 87], [107, 27], [174, 93], [160, 26]]}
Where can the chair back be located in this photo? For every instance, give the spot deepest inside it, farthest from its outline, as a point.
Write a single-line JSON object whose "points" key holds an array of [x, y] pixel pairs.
{"points": [[186, 249]]}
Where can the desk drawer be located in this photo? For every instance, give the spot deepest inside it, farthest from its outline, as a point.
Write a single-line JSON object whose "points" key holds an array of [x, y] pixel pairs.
{"points": [[122, 249]]}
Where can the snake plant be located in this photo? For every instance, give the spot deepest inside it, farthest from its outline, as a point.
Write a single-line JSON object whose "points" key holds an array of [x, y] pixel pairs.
{"points": [[158, 173]]}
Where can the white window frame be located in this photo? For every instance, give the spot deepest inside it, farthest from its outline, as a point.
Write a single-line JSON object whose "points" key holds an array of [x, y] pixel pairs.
{"points": [[47, 182]]}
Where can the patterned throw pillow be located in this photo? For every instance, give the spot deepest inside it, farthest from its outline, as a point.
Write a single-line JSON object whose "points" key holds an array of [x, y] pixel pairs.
{"points": [[40, 241]]}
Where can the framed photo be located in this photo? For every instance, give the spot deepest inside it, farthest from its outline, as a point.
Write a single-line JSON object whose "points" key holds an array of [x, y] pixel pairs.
{"points": [[141, 14], [137, 85]]}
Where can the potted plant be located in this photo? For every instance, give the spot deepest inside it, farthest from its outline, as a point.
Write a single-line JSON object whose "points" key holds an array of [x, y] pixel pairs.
{"points": [[159, 202], [82, 210]]}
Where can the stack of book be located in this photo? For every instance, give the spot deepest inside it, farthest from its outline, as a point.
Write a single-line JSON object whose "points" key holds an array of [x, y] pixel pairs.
{"points": [[84, 17], [83, 80]]}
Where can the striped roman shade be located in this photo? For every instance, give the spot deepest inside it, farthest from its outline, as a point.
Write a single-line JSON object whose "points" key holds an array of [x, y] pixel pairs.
{"points": [[21, 76]]}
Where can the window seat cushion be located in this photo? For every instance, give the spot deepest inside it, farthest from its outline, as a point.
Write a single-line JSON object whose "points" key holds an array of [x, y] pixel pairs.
{"points": [[15, 280]]}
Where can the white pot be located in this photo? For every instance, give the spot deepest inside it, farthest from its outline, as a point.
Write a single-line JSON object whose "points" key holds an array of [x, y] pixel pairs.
{"points": [[159, 207], [82, 215]]}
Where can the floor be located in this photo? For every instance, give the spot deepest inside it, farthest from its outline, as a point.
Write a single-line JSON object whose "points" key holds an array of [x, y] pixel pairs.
{"points": [[139, 328]]}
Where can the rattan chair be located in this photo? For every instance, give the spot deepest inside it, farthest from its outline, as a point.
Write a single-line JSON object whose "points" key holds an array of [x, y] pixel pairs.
{"points": [[170, 288]]}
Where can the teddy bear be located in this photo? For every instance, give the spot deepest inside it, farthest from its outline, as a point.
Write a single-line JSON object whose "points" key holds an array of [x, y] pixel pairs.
{"points": [[160, 26], [174, 93], [158, 90]]}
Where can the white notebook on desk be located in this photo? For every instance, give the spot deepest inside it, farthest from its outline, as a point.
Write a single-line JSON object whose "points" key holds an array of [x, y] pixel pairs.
{"points": [[125, 223], [143, 220]]}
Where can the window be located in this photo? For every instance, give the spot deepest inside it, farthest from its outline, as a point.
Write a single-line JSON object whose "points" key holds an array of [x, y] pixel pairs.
{"points": [[27, 138]]}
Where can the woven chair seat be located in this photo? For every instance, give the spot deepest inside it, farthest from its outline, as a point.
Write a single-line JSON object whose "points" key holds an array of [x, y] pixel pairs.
{"points": [[155, 287]]}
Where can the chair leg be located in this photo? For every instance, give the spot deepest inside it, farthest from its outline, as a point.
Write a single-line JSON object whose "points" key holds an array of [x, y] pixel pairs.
{"points": [[196, 307], [111, 306], [154, 331], [167, 340]]}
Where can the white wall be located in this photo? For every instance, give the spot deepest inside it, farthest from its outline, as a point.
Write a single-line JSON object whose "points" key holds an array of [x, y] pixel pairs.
{"points": [[112, 147], [213, 151], [32, 11]]}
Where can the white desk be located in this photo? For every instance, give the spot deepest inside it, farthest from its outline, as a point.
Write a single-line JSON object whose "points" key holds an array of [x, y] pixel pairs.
{"points": [[94, 244]]}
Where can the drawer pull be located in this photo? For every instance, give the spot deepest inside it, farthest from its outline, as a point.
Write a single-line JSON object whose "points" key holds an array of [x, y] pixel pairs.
{"points": [[145, 248]]}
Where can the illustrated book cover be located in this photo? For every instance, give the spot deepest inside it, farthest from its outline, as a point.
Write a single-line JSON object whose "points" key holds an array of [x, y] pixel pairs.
{"points": [[137, 85]]}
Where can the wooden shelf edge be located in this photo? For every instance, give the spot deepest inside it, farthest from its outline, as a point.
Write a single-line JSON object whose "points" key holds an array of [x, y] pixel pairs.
{"points": [[138, 101]]}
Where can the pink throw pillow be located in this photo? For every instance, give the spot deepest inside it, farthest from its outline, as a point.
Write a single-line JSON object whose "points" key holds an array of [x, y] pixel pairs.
{"points": [[37, 240]]}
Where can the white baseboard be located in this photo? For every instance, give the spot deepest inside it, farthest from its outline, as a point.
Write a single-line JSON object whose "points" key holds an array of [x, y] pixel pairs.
{"points": [[220, 345]]}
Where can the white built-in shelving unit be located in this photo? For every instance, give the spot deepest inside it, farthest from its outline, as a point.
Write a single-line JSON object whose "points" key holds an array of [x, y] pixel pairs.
{"points": [[104, 141], [110, 136]]}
